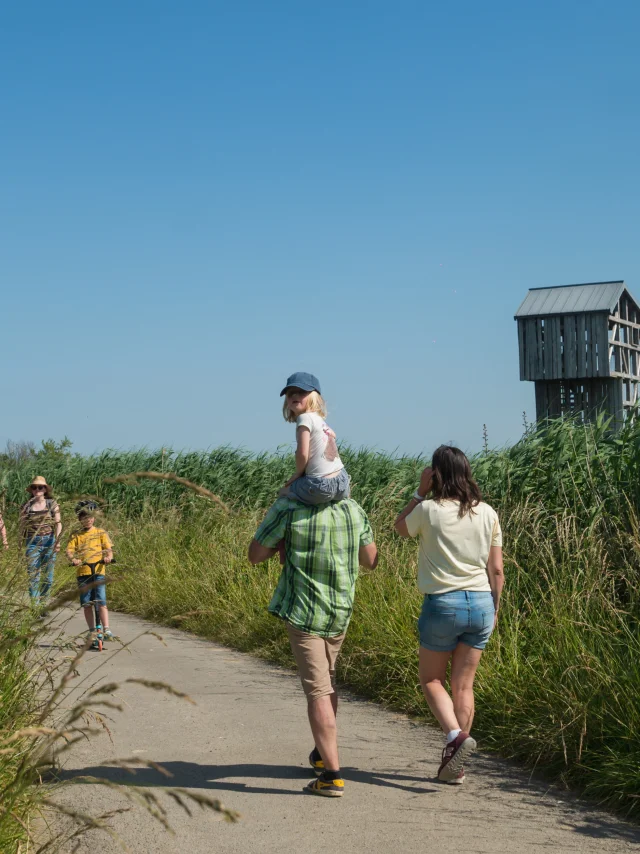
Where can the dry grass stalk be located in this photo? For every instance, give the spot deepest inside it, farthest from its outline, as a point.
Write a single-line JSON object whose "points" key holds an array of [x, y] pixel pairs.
{"points": [[156, 475]]}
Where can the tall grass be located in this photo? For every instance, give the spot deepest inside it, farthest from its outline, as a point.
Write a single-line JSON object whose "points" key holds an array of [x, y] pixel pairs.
{"points": [[557, 688], [559, 685], [17, 710], [585, 469], [38, 725]]}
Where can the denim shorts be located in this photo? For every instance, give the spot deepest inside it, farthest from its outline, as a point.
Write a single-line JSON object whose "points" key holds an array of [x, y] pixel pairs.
{"points": [[461, 616], [90, 595], [321, 490]]}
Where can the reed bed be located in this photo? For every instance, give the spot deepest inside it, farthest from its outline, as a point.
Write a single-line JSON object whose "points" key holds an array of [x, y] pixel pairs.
{"points": [[558, 688]]}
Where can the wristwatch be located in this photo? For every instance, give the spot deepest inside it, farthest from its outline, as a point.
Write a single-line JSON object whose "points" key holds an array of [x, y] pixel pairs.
{"points": [[417, 497]]}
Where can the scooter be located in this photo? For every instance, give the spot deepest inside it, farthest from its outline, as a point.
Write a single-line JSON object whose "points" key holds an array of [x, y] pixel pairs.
{"points": [[98, 639]]}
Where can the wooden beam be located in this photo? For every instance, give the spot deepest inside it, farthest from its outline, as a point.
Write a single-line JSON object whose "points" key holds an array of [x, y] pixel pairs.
{"points": [[591, 346], [624, 345], [570, 356], [620, 375], [614, 319], [580, 344], [521, 351], [532, 349]]}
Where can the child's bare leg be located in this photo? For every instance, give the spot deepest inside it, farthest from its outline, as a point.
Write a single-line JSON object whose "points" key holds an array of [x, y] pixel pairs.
{"points": [[88, 615], [104, 616]]}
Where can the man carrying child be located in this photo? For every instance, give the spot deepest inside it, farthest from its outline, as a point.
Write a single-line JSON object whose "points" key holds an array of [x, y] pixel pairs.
{"points": [[323, 547]]}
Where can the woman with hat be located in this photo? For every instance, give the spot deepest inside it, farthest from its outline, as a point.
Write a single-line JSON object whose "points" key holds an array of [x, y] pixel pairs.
{"points": [[41, 528]]}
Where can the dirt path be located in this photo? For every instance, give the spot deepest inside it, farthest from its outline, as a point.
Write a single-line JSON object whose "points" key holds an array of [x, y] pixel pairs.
{"points": [[246, 742]]}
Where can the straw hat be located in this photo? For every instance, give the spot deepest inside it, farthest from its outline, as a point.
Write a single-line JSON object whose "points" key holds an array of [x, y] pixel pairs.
{"points": [[40, 481]]}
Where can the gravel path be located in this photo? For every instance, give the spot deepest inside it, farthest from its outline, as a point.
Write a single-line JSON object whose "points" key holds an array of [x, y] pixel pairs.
{"points": [[246, 742]]}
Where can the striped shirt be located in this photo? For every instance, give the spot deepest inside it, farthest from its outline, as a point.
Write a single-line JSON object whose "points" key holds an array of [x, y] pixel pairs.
{"points": [[317, 584], [38, 523]]}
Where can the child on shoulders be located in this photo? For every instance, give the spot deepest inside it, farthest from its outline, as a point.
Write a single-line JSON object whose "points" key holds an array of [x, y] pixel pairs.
{"points": [[320, 476]]}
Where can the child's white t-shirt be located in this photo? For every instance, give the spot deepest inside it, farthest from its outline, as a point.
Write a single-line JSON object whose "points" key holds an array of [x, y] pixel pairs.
{"points": [[323, 451]]}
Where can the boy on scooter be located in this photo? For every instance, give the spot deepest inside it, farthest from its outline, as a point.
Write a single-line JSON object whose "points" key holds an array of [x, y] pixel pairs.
{"points": [[89, 550]]}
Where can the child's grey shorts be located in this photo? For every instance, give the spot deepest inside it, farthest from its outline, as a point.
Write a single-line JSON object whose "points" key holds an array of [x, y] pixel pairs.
{"points": [[321, 490]]}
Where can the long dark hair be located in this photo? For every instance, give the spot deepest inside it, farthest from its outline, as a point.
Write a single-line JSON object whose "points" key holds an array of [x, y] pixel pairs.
{"points": [[452, 478]]}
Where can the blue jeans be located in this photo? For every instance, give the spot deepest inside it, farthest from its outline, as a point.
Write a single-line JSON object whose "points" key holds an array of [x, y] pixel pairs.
{"points": [[89, 595], [41, 559], [461, 616], [321, 490]]}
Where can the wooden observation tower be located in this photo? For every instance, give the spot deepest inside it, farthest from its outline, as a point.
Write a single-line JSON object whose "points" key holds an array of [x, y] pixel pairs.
{"points": [[580, 344]]}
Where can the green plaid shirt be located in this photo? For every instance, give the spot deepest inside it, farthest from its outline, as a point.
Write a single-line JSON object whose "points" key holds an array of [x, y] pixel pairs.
{"points": [[317, 584]]}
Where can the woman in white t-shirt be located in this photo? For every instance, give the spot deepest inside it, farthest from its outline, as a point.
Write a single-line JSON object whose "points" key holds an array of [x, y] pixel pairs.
{"points": [[460, 573], [320, 476]]}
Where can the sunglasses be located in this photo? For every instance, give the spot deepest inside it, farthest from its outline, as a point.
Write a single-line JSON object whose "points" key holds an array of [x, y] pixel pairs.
{"points": [[36, 488]]}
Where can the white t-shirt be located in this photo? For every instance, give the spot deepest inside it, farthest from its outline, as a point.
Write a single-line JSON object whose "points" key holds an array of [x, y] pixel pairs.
{"points": [[453, 552], [323, 451]]}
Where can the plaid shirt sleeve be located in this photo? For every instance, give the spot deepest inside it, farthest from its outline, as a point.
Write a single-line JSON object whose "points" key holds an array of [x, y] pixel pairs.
{"points": [[274, 524], [366, 535]]}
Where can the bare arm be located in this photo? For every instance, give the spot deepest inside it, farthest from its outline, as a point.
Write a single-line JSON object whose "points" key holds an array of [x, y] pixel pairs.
{"points": [[3, 533], [303, 438], [259, 553], [57, 527], [495, 571], [426, 481], [107, 555], [368, 556], [71, 553]]}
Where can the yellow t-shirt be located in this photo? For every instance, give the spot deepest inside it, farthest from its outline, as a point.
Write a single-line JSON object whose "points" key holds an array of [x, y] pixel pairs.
{"points": [[453, 552], [88, 547]]}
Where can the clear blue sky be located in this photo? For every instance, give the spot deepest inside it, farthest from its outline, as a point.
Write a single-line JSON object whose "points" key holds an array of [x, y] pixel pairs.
{"points": [[200, 198]]}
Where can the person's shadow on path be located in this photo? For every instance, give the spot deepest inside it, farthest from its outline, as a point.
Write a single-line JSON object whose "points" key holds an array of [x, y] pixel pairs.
{"points": [[190, 775]]}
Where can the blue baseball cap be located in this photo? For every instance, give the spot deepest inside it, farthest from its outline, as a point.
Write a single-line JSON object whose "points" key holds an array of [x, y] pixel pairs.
{"points": [[307, 382]]}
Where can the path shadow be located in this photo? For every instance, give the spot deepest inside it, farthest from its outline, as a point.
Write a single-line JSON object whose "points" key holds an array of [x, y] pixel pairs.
{"points": [[190, 775], [582, 815]]}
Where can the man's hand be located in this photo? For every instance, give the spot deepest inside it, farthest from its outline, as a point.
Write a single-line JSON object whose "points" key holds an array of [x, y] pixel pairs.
{"points": [[426, 481], [259, 553], [56, 548], [368, 556]]}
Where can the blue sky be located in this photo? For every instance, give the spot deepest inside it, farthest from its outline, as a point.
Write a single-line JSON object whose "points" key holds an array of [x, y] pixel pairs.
{"points": [[200, 198]]}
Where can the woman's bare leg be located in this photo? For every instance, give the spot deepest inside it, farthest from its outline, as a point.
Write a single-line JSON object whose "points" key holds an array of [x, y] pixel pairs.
{"points": [[464, 663], [433, 671]]}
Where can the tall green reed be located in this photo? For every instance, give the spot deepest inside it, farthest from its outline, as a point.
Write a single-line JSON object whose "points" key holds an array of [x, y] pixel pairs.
{"points": [[558, 687], [563, 464]]}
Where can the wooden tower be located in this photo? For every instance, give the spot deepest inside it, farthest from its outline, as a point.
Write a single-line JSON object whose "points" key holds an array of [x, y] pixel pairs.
{"points": [[580, 344]]}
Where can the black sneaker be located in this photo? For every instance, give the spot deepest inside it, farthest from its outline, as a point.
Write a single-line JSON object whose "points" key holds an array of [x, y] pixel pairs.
{"points": [[317, 765], [326, 788]]}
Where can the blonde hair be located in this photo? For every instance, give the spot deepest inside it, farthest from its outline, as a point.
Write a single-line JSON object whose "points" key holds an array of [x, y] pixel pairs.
{"points": [[315, 403]]}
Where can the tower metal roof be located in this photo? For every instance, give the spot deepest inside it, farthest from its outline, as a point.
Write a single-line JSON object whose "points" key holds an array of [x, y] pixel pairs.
{"points": [[571, 299]]}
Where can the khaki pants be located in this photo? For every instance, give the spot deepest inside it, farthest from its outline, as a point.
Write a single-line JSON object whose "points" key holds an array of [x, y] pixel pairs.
{"points": [[316, 659]]}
